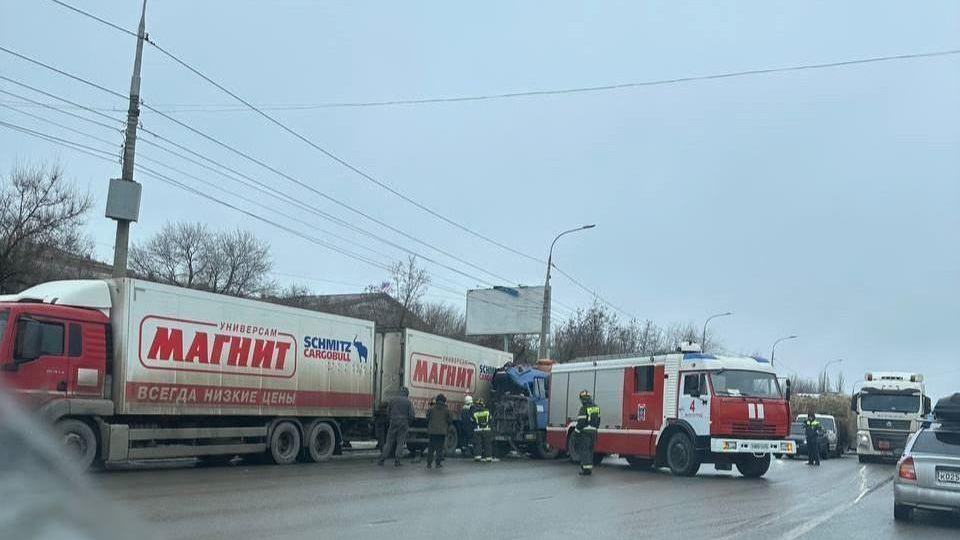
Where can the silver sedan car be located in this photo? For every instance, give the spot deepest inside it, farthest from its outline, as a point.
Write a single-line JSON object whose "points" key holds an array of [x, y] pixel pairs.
{"points": [[928, 474]]}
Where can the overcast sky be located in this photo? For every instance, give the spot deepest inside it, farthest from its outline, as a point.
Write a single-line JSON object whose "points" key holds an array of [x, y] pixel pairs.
{"points": [[822, 203]]}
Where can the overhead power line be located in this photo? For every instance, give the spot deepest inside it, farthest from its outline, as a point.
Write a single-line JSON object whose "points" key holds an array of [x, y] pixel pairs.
{"points": [[270, 168], [151, 173], [343, 162]]}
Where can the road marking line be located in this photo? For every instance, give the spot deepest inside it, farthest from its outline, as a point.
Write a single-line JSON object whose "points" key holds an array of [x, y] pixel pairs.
{"points": [[823, 518]]}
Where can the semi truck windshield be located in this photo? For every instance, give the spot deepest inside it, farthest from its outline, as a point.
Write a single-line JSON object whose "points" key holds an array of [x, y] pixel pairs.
{"points": [[902, 403], [734, 382]]}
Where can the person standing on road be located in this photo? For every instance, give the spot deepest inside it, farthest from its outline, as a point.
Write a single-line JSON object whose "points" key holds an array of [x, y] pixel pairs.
{"points": [[482, 434], [813, 429], [588, 422], [400, 412], [439, 420], [466, 427]]}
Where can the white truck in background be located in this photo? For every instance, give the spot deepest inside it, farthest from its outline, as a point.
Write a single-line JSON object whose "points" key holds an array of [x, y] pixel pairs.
{"points": [[890, 407]]}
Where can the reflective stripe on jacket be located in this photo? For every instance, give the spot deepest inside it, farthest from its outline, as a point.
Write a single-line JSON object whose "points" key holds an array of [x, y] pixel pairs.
{"points": [[481, 419], [589, 417]]}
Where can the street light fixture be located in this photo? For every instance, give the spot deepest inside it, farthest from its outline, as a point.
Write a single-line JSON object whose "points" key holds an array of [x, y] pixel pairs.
{"points": [[825, 366], [773, 351], [545, 318], [703, 340]]}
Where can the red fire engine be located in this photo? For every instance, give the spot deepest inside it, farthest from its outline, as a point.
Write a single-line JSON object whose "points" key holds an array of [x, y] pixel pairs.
{"points": [[676, 410]]}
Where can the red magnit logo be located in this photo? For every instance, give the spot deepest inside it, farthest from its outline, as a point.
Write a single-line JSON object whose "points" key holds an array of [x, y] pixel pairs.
{"points": [[442, 373], [222, 347]]}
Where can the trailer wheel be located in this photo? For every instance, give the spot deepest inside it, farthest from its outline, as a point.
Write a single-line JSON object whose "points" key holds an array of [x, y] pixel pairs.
{"points": [[284, 443], [321, 442], [682, 455], [78, 441], [452, 442], [753, 466]]}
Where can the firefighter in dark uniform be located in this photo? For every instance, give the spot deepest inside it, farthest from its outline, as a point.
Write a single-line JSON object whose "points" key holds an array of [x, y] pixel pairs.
{"points": [[813, 429], [588, 422], [482, 433]]}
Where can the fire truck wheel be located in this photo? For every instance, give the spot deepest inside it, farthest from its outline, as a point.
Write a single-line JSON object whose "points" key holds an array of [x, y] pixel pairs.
{"points": [[572, 447], [753, 466], [682, 455], [284, 443], [639, 463], [79, 441], [321, 442]]}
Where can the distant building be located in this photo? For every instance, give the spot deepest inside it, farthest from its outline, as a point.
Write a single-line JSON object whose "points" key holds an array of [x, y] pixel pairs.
{"points": [[379, 307]]}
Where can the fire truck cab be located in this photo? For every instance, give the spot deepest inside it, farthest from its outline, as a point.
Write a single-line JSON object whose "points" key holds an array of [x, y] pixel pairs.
{"points": [[676, 410]]}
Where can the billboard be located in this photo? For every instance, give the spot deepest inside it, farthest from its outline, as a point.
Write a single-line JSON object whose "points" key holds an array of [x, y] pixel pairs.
{"points": [[504, 310]]}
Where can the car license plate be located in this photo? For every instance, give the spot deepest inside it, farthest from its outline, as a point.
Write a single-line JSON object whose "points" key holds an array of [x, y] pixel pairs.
{"points": [[948, 476], [883, 445]]}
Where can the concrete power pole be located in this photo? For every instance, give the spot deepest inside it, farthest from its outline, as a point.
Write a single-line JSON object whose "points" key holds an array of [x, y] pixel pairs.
{"points": [[123, 199]]}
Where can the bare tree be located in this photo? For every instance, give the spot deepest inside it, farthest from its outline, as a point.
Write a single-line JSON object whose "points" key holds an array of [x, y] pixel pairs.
{"points": [[841, 383], [410, 281], [237, 263], [176, 255], [442, 319], [41, 220], [189, 255]]}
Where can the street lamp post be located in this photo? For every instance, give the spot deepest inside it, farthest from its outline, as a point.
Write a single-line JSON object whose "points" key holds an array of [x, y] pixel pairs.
{"points": [[773, 351], [703, 340], [545, 317], [825, 366]]}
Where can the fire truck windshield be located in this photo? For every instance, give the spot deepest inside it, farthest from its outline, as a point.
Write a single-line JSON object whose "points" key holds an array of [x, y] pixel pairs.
{"points": [[899, 402], [3, 322], [735, 382]]}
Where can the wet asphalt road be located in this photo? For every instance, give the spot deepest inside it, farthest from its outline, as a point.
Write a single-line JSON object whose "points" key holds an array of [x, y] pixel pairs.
{"points": [[517, 498]]}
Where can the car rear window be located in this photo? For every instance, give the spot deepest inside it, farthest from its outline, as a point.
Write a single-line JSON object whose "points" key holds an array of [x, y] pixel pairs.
{"points": [[938, 442]]}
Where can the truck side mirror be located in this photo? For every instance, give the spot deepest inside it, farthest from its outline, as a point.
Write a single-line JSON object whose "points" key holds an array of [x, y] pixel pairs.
{"points": [[27, 347], [926, 405], [853, 402], [788, 392]]}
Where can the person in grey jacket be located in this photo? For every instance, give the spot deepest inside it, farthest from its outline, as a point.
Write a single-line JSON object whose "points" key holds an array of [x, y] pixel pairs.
{"points": [[400, 412], [439, 422]]}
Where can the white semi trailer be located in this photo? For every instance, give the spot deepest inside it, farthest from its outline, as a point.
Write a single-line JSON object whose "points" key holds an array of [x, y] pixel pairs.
{"points": [[131, 370]]}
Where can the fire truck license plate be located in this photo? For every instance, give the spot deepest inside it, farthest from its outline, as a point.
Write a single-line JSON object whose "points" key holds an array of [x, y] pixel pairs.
{"points": [[948, 476]]}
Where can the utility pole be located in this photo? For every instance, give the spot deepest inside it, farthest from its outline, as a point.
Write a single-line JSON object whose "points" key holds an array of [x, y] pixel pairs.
{"points": [[545, 317], [123, 199]]}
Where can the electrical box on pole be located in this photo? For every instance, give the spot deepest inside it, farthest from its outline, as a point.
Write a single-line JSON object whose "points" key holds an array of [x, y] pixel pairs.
{"points": [[123, 200]]}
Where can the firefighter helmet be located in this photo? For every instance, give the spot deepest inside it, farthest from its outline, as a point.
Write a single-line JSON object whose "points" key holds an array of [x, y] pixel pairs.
{"points": [[585, 395], [480, 403]]}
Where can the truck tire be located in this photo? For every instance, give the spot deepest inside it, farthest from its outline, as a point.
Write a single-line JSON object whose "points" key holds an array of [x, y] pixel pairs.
{"points": [[572, 447], [543, 450], [320, 443], [682, 457], [639, 463], [452, 442], [79, 441], [753, 466], [598, 458], [284, 444]]}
